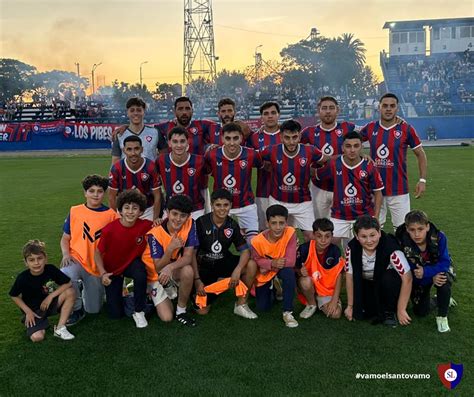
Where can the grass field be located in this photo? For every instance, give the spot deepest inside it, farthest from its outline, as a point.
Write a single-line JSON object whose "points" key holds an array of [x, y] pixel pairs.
{"points": [[225, 354]]}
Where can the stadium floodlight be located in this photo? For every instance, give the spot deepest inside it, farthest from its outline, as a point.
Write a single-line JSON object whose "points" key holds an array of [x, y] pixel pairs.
{"points": [[392, 24], [141, 79], [94, 67]]}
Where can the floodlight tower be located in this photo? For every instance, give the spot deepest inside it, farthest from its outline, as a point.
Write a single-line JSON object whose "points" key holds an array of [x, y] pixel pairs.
{"points": [[199, 53]]}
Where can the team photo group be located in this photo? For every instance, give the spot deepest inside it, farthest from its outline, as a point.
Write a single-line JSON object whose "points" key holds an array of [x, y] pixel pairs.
{"points": [[168, 242]]}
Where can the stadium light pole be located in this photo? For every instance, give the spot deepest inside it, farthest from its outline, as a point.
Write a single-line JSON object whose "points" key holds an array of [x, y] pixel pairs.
{"points": [[258, 61], [77, 66], [94, 67], [141, 79]]}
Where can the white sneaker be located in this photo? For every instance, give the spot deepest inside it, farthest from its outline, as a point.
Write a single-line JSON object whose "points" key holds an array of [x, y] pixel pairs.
{"points": [[140, 320], [442, 323], [289, 320], [244, 311], [308, 311], [63, 333]]}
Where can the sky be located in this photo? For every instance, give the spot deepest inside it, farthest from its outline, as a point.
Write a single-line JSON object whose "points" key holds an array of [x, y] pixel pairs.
{"points": [[121, 34]]}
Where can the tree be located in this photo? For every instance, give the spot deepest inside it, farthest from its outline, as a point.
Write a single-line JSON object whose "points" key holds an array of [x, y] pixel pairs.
{"points": [[51, 82], [167, 92], [229, 82], [15, 78]]}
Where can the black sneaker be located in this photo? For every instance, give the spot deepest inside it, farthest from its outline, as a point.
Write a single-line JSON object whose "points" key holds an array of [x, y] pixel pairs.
{"points": [[75, 317], [390, 319], [184, 319]]}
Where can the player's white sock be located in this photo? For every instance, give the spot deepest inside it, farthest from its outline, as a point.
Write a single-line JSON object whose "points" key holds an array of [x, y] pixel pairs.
{"points": [[180, 310]]}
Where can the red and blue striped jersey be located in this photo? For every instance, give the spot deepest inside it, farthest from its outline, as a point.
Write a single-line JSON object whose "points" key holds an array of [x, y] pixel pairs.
{"points": [[121, 178], [198, 130], [215, 134], [353, 187], [329, 142], [187, 178], [388, 148], [290, 175], [234, 175], [257, 141]]}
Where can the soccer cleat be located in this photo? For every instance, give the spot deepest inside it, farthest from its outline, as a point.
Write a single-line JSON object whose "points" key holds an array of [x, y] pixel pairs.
{"points": [[452, 302], [390, 319], [308, 311], [184, 319], [244, 311], [442, 323], [140, 320], [289, 320], [75, 317], [62, 333]]}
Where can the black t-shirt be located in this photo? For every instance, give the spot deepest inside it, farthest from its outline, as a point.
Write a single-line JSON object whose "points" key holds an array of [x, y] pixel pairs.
{"points": [[215, 242], [33, 289]]}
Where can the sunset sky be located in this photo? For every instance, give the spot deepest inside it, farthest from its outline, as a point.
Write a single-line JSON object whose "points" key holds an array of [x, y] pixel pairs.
{"points": [[54, 34]]}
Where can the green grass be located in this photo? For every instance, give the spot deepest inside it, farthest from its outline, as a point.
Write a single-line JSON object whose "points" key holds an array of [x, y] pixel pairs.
{"points": [[226, 355]]}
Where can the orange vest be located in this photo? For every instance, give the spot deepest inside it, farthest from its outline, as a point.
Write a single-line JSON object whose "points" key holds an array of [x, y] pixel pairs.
{"points": [[218, 288], [86, 227], [271, 250], [324, 280], [162, 236]]}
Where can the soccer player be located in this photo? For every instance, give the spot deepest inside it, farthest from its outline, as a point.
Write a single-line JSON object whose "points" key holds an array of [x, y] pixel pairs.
{"points": [[328, 137], [231, 167], [81, 233], [217, 231], [426, 249], [118, 255], [291, 164], [267, 135], [378, 277], [34, 294], [357, 187], [153, 140], [388, 147], [136, 172], [181, 172], [170, 252], [320, 267], [274, 251]]}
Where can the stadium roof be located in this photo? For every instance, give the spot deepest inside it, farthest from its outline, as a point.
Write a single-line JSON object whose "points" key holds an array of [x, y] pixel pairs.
{"points": [[427, 22]]}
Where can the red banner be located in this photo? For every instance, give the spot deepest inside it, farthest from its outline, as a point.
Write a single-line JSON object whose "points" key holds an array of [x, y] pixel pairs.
{"points": [[15, 132]]}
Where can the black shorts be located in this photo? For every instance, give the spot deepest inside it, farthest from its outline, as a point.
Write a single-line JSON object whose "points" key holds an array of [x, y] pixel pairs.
{"points": [[211, 271], [42, 322]]}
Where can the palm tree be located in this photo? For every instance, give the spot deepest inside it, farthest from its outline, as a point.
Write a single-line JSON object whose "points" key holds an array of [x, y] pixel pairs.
{"points": [[354, 48]]}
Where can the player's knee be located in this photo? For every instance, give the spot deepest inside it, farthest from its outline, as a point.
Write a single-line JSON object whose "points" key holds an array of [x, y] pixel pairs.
{"points": [[38, 336], [305, 284], [166, 317], [186, 273]]}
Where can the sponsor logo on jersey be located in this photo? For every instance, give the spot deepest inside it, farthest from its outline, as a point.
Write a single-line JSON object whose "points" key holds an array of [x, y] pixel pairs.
{"points": [[178, 187], [229, 181], [328, 149], [216, 247], [289, 179], [219, 164], [382, 151], [350, 190]]}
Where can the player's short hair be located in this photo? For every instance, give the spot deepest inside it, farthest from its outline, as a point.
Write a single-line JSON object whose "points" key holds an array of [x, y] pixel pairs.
{"points": [[388, 95], [352, 135], [181, 203], [366, 222], [276, 210], [323, 224], [416, 216], [232, 127], [221, 194], [269, 104], [225, 101], [327, 98], [290, 125], [132, 196], [182, 99], [178, 131], [132, 138], [136, 101], [33, 247], [95, 180]]}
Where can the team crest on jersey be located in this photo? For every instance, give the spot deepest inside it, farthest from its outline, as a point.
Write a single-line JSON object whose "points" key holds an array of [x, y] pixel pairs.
{"points": [[338, 132], [148, 138], [145, 177], [243, 164], [139, 240], [362, 174], [193, 130], [303, 161], [228, 232], [191, 171], [397, 134]]}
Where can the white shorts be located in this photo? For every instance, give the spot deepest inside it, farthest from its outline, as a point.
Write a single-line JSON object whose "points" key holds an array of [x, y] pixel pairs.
{"points": [[322, 201], [247, 218], [342, 228], [322, 300], [262, 205], [148, 214], [399, 206], [301, 215], [156, 292]]}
